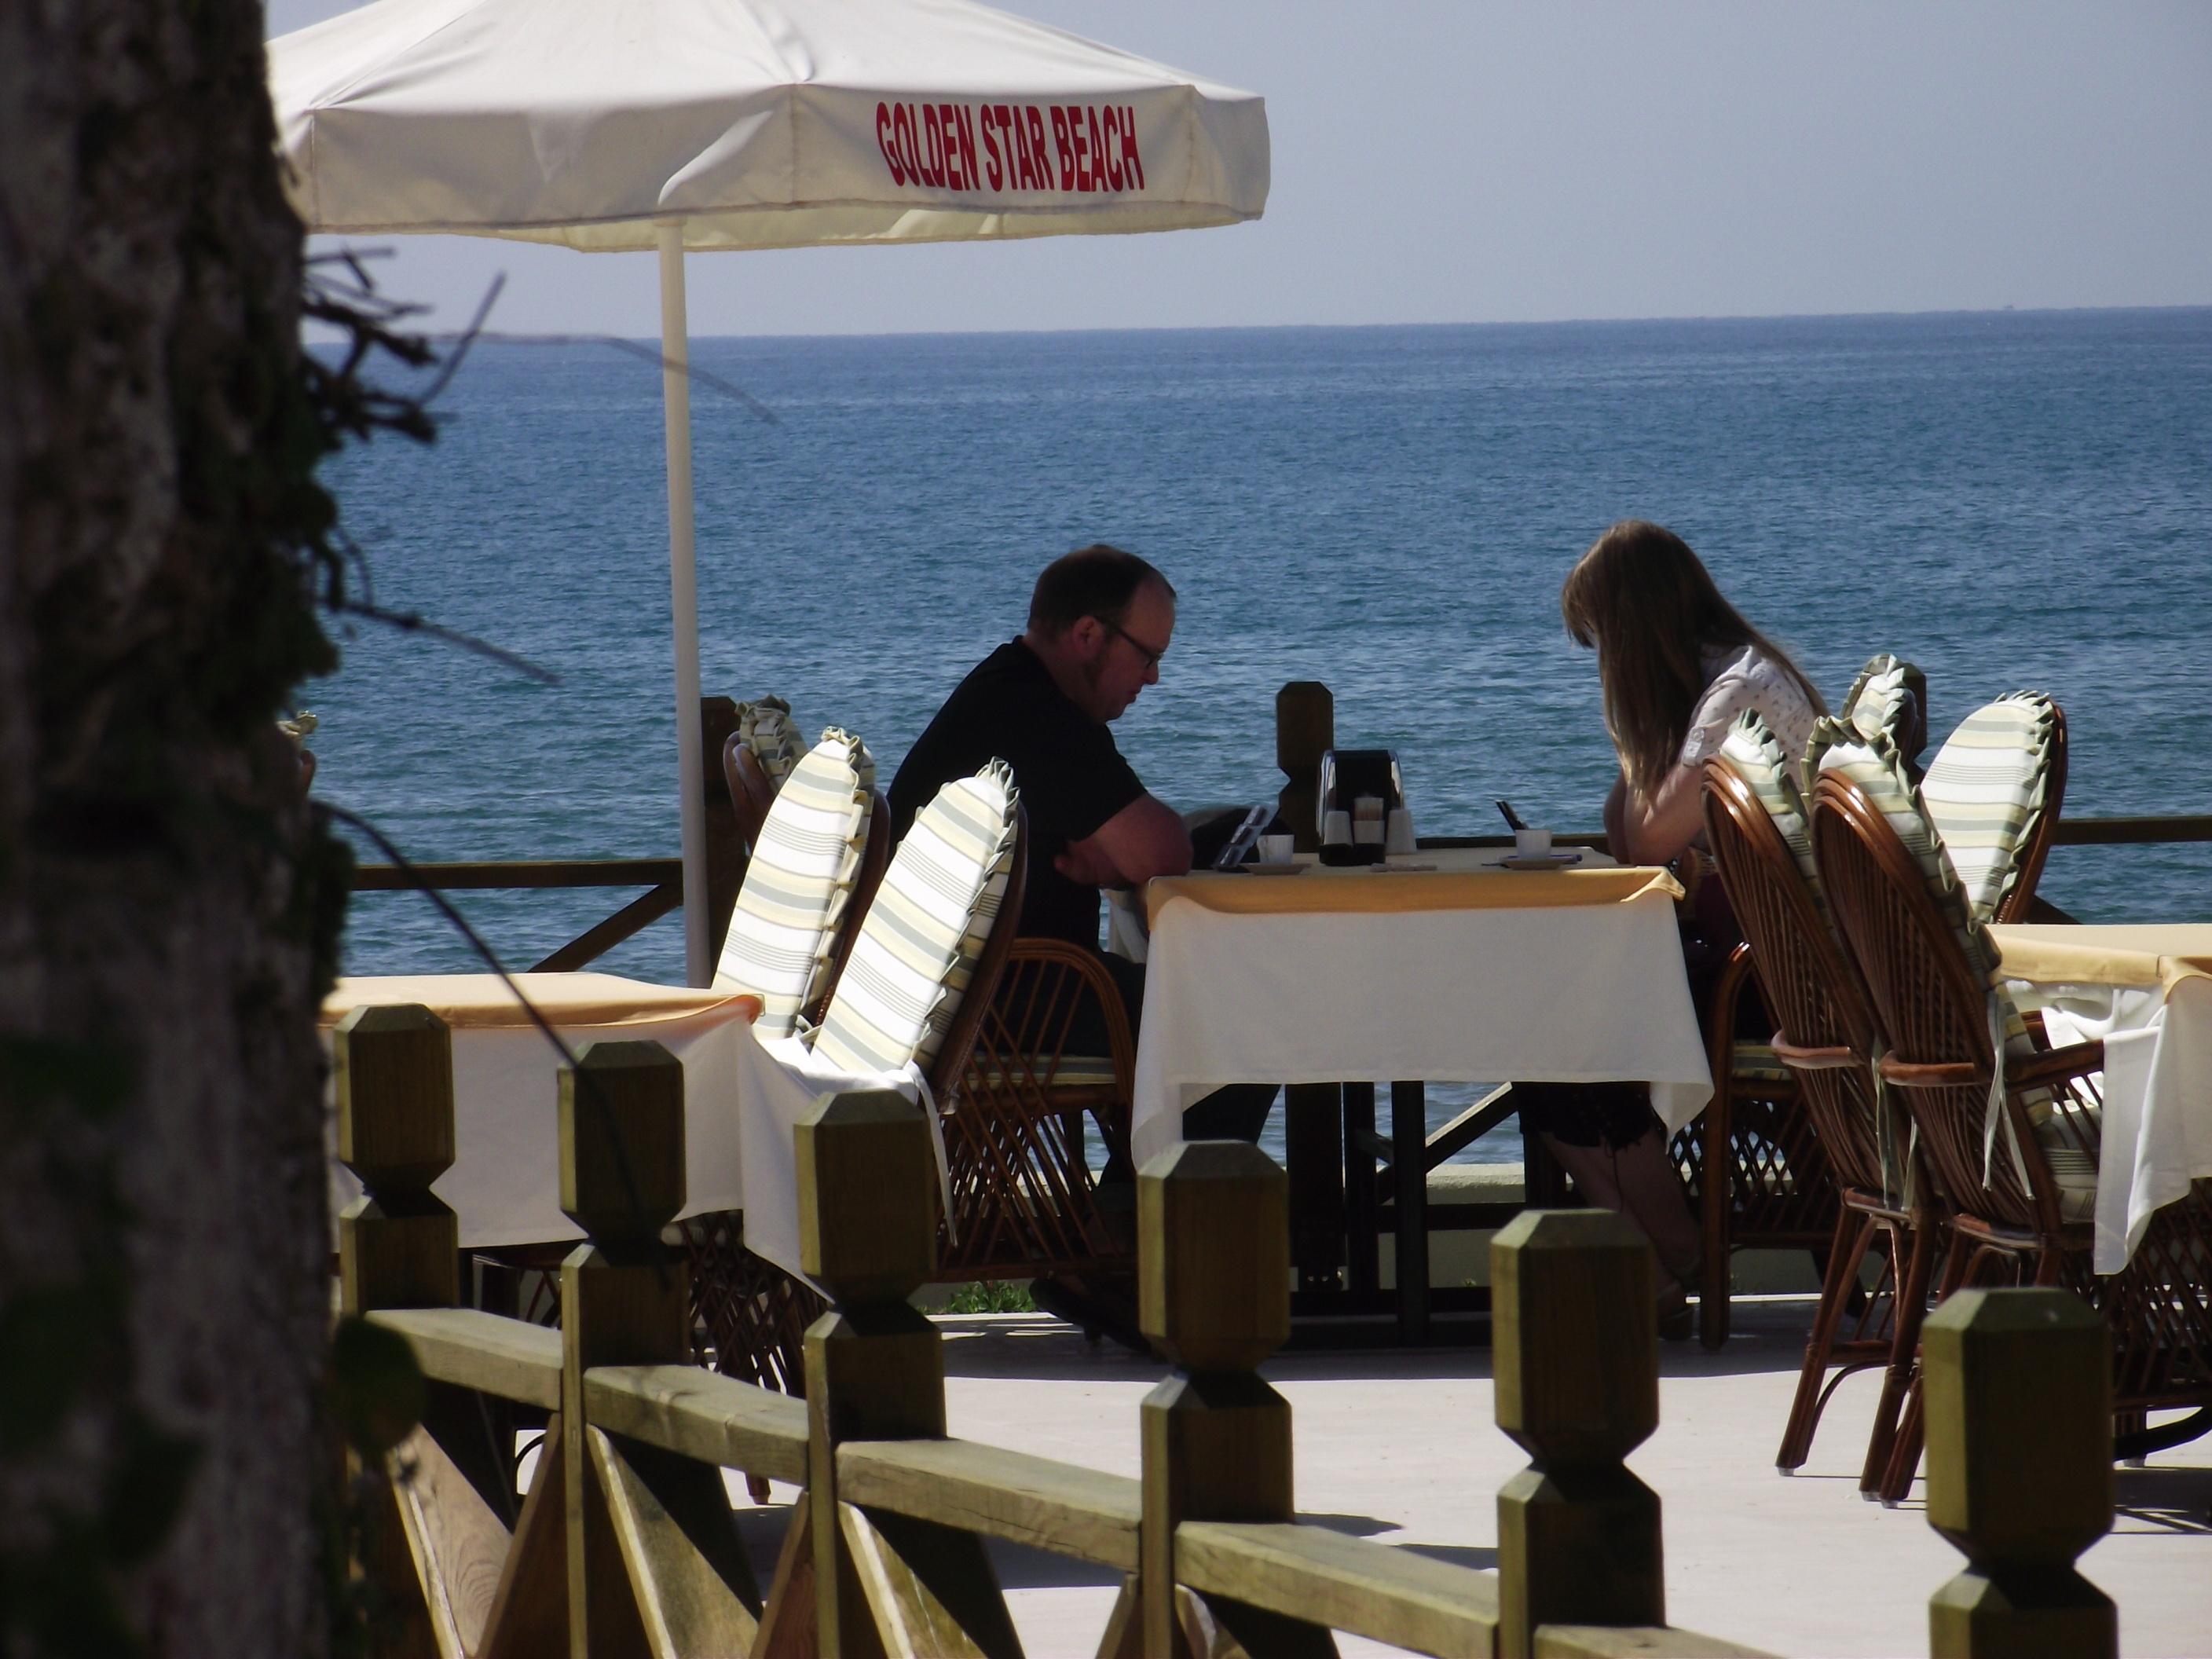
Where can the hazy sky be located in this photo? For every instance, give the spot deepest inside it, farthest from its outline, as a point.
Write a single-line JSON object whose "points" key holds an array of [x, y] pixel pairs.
{"points": [[1494, 162]]}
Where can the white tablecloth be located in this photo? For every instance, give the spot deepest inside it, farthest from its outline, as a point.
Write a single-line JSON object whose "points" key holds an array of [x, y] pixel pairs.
{"points": [[505, 1184], [778, 1083], [2147, 991], [1466, 974]]}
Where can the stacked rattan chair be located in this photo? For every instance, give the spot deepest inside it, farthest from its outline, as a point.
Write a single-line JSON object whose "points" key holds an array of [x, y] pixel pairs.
{"points": [[2008, 1126], [916, 984], [1757, 826], [816, 852], [1752, 1166]]}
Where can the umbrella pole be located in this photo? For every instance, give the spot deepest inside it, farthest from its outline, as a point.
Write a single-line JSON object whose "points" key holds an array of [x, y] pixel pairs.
{"points": [[683, 595]]}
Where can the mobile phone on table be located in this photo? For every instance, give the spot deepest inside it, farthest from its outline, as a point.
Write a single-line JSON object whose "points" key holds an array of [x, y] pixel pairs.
{"points": [[1239, 845]]}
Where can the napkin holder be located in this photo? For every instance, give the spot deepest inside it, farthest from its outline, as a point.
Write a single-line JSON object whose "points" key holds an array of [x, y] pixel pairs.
{"points": [[1348, 777]]}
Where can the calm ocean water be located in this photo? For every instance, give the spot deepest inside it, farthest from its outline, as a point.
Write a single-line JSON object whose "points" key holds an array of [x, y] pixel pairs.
{"points": [[2009, 499]]}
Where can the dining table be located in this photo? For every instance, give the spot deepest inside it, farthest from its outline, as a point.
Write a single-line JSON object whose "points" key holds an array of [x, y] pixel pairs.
{"points": [[504, 1185], [2145, 990], [1443, 966]]}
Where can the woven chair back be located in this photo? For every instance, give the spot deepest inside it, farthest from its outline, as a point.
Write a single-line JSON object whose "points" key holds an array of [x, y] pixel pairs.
{"points": [[753, 792], [1932, 1009], [1811, 989]]}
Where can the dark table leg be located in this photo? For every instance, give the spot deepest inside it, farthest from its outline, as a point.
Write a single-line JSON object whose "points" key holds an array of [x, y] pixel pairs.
{"points": [[1362, 1244], [1543, 1183], [1313, 1156], [1409, 1142]]}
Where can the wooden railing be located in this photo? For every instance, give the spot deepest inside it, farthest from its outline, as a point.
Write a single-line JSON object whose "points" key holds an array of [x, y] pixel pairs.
{"points": [[1305, 727], [663, 879], [626, 1544]]}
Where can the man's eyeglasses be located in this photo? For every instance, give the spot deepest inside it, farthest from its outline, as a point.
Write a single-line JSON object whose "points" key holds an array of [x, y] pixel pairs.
{"points": [[1152, 657]]}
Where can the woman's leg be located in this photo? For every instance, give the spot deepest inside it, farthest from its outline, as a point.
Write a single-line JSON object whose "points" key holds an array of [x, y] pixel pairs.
{"points": [[1638, 1180]]}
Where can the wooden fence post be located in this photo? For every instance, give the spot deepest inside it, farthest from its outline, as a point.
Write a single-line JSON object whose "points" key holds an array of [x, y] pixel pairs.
{"points": [[1213, 1295], [443, 1511], [1575, 1344], [1305, 728], [654, 1562], [2017, 1386], [875, 1371], [398, 1245]]}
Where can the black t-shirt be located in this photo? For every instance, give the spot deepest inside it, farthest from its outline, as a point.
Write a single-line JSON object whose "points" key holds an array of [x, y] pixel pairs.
{"points": [[1071, 776]]}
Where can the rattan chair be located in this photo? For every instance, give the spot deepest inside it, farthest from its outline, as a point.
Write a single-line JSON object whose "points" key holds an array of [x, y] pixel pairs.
{"points": [[1024, 1201], [2011, 1220], [753, 791], [762, 1311], [746, 1314], [1751, 1164], [1826, 1036]]}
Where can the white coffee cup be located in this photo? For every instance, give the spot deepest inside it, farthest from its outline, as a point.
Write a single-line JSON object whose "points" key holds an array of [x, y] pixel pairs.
{"points": [[1336, 829], [1532, 843], [1277, 849], [1398, 837]]}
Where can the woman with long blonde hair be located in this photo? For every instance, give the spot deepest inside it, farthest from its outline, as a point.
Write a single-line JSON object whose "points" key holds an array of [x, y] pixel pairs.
{"points": [[1677, 664]]}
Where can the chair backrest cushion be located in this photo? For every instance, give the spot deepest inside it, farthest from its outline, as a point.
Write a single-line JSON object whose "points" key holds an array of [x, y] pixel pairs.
{"points": [[766, 727], [1890, 696], [1877, 766], [1878, 769], [1987, 790], [1753, 751], [925, 930], [783, 931], [864, 761]]}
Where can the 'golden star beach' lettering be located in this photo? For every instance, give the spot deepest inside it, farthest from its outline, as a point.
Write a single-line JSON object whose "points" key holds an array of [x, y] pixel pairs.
{"points": [[1092, 149]]}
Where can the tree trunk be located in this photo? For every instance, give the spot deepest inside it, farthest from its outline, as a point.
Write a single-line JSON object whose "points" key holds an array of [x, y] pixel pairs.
{"points": [[166, 910]]}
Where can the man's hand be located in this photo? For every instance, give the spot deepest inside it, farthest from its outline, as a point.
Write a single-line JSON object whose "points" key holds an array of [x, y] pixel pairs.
{"points": [[1143, 840]]}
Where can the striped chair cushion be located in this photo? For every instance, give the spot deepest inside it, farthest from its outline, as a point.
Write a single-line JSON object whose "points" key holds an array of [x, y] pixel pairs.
{"points": [[863, 761], [1876, 767], [1886, 697], [1757, 1062], [1755, 754], [769, 731], [925, 929], [784, 928], [1987, 790]]}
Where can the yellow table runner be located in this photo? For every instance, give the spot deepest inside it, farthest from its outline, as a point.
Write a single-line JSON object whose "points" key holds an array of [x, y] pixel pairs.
{"points": [[2152, 953], [483, 1001], [1323, 892]]}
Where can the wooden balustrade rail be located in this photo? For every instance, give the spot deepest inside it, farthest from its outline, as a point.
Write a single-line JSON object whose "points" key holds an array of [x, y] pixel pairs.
{"points": [[1304, 727], [626, 1545]]}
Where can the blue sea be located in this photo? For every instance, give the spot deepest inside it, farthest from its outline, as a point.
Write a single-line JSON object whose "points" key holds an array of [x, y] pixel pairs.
{"points": [[2009, 499]]}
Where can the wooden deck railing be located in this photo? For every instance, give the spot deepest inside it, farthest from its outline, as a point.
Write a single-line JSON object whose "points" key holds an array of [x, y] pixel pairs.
{"points": [[626, 1543], [1305, 726]]}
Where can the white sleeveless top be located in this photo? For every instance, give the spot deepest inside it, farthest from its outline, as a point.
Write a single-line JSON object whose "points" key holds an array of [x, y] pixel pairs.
{"points": [[1746, 678]]}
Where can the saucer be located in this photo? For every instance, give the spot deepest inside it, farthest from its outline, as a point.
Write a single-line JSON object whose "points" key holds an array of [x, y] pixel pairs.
{"points": [[1553, 860], [1271, 869]]}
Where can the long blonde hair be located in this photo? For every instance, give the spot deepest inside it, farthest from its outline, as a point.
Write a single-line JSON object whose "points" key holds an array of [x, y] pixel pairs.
{"points": [[1648, 605]]}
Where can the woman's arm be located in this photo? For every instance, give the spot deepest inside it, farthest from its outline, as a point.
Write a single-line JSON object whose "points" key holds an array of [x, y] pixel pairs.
{"points": [[1655, 829]]}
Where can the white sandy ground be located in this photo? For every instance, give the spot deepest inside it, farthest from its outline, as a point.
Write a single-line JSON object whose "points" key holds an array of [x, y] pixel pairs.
{"points": [[1401, 1447]]}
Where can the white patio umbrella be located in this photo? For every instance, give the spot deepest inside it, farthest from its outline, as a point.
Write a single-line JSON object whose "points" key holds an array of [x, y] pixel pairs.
{"points": [[609, 126]]}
